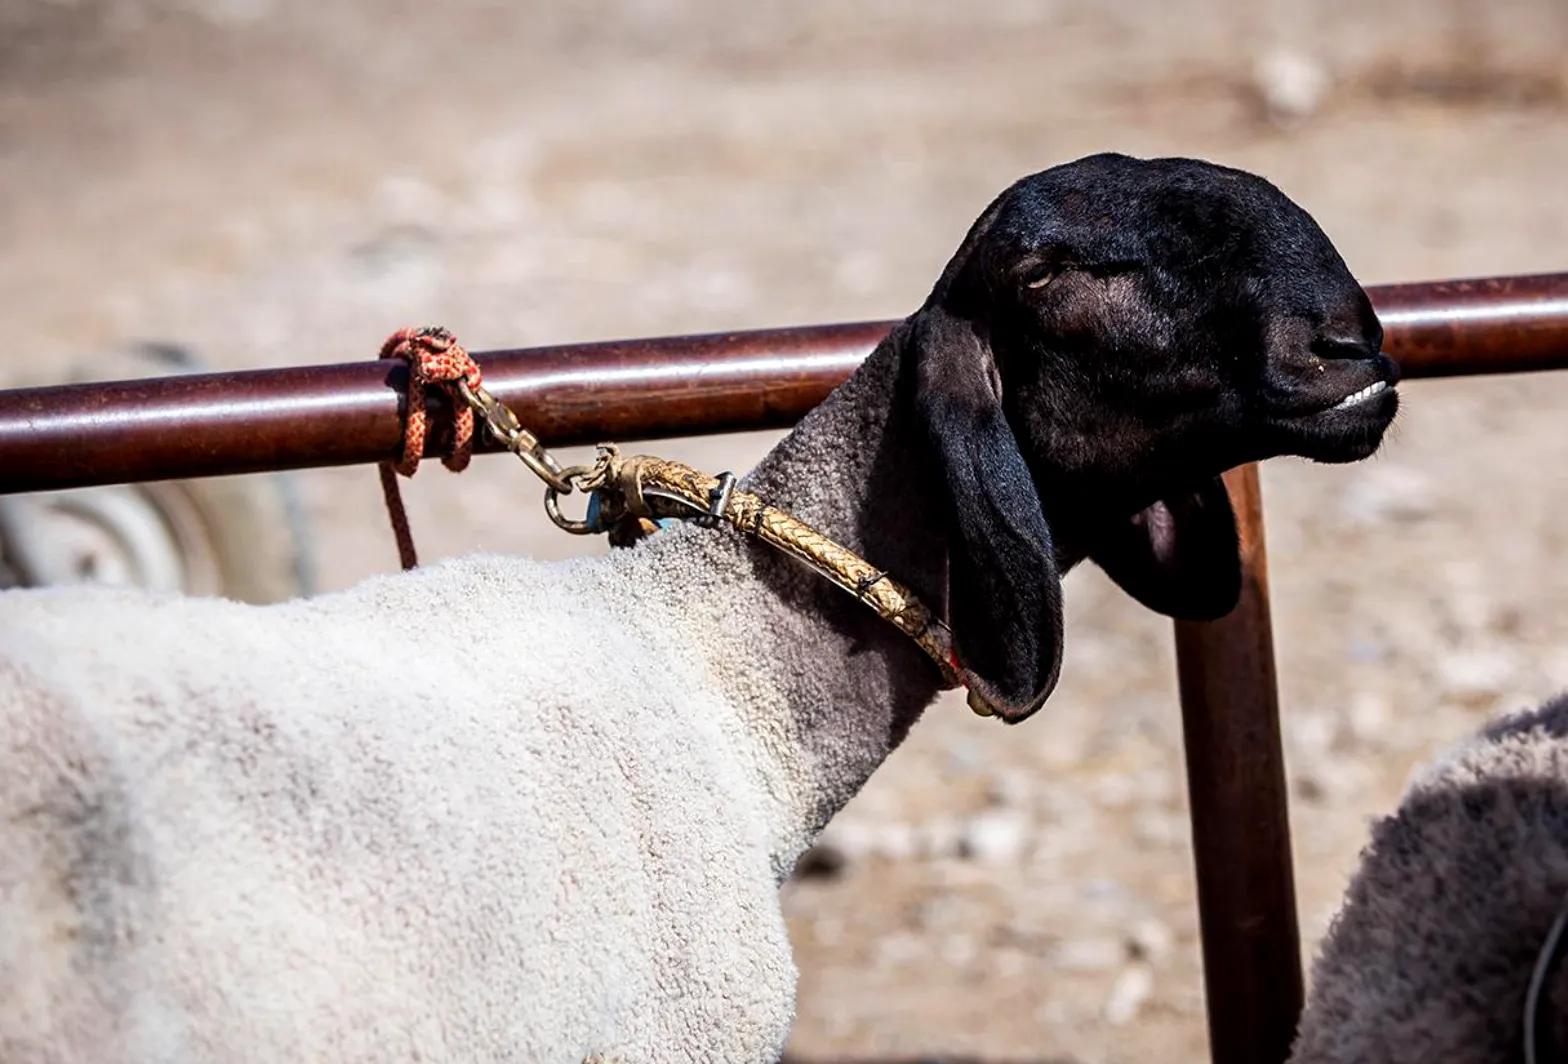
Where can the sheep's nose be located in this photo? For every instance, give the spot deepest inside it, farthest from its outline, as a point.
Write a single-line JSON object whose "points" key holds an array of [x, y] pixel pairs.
{"points": [[1355, 347]]}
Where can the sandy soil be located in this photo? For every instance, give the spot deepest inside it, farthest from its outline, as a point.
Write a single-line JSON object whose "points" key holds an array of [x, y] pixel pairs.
{"points": [[272, 181]]}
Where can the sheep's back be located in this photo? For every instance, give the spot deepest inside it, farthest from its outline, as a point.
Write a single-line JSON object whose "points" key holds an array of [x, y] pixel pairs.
{"points": [[1431, 956], [322, 829]]}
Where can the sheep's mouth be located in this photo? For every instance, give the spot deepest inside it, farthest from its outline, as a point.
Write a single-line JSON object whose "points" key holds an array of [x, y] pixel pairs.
{"points": [[1371, 402], [1352, 388], [1362, 396], [1347, 423]]}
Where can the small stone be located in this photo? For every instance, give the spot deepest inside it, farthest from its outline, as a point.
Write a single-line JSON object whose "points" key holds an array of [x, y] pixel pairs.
{"points": [[1089, 955], [1128, 995], [1475, 677], [1327, 778], [1011, 790], [1159, 829], [1310, 731], [893, 842], [1369, 717], [1149, 940], [1289, 85], [1115, 790], [1388, 494], [996, 836], [824, 860]]}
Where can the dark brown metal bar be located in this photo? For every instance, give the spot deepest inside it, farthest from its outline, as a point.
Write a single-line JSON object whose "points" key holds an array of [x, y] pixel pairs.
{"points": [[218, 423], [639, 389], [1240, 820], [1489, 325]]}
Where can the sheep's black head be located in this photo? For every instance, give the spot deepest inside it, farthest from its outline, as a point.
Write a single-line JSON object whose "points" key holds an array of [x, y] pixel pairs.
{"points": [[1112, 335]]}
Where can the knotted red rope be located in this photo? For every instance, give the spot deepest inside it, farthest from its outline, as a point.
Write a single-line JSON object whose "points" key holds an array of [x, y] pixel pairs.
{"points": [[434, 357]]}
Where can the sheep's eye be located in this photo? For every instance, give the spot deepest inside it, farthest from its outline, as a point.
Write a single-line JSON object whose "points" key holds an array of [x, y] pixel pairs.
{"points": [[1041, 276]]}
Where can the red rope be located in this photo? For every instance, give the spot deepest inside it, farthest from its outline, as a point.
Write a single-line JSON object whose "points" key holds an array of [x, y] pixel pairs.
{"points": [[434, 357]]}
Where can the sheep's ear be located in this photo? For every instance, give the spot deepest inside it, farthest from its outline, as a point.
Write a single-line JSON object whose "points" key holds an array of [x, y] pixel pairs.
{"points": [[1004, 591], [1179, 557]]}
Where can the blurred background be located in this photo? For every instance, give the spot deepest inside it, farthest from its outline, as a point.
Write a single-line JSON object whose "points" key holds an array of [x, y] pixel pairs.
{"points": [[246, 183]]}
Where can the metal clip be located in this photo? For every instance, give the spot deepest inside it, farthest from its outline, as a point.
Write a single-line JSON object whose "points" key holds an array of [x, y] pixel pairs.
{"points": [[509, 432], [590, 478], [543, 465], [718, 501], [591, 524]]}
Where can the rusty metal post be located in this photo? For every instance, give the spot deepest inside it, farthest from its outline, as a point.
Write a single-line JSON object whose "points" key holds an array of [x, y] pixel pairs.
{"points": [[1240, 819]]}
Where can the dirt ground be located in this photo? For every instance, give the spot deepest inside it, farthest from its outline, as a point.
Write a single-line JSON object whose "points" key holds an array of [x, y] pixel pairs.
{"points": [[275, 181]]}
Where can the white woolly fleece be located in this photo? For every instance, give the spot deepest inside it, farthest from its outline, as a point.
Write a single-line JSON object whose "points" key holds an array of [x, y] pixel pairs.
{"points": [[305, 832]]}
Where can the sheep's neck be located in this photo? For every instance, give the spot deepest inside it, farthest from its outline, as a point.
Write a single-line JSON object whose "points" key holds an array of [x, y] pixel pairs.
{"points": [[836, 686]]}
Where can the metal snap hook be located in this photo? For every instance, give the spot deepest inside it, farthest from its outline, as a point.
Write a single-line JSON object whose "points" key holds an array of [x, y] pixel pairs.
{"points": [[591, 524]]}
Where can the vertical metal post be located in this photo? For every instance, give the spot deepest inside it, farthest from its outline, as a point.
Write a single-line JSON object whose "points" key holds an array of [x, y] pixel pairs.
{"points": [[1240, 821]]}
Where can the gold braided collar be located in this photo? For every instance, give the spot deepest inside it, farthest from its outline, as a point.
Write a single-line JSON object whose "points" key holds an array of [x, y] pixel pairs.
{"points": [[631, 493]]}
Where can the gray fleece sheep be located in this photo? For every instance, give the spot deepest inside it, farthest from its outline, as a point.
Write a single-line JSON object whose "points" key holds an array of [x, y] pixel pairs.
{"points": [[495, 809], [1431, 956]]}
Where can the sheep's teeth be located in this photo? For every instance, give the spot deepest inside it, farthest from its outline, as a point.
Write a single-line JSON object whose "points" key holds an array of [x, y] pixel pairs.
{"points": [[1360, 397]]}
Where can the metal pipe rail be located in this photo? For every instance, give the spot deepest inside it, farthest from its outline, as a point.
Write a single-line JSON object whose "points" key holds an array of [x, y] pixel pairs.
{"points": [[202, 425], [335, 415]]}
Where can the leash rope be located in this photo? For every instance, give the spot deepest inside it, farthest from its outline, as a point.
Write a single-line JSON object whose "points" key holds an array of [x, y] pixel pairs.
{"points": [[628, 496]]}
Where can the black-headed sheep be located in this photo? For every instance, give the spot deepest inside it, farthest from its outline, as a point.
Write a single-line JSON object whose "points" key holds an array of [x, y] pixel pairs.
{"points": [[317, 830]]}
